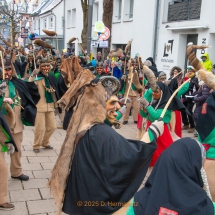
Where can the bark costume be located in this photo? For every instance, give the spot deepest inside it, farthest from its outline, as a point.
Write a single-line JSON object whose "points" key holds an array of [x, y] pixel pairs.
{"points": [[45, 87], [133, 94], [24, 113], [95, 153], [5, 138]]}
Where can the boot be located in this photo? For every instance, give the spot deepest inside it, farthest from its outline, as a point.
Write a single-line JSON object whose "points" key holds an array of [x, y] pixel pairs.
{"points": [[191, 130], [185, 127]]}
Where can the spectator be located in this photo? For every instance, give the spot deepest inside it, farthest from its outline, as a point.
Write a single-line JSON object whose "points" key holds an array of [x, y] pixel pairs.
{"points": [[93, 62], [208, 65], [116, 71], [203, 93], [153, 67]]}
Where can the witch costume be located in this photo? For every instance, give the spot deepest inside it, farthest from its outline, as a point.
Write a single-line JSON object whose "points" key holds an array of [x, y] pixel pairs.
{"points": [[97, 168], [153, 112], [175, 186]]}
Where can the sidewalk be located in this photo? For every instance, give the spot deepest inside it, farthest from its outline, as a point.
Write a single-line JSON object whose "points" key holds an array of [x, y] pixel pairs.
{"points": [[33, 197]]}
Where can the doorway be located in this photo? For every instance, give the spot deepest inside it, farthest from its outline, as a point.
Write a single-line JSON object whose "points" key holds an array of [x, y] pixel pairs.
{"points": [[194, 39]]}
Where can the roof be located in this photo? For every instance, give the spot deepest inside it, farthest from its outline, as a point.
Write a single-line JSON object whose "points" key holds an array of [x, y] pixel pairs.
{"points": [[52, 5], [39, 8]]}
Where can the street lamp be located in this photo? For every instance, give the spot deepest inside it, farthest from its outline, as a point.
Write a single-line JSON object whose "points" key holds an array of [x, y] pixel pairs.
{"points": [[90, 21]]}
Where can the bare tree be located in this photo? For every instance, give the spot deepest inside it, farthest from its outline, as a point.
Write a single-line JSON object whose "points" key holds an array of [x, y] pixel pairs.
{"points": [[11, 13], [84, 4], [107, 19]]}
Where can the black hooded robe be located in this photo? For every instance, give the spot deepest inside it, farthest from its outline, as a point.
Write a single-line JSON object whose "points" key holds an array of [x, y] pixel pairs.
{"points": [[29, 111], [175, 185], [107, 170]]}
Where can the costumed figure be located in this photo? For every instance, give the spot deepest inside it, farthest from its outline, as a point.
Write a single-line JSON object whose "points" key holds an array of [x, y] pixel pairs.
{"points": [[187, 119], [176, 184], [30, 65], [152, 105], [46, 96], [131, 89], [205, 125], [7, 144], [93, 156], [24, 113]]}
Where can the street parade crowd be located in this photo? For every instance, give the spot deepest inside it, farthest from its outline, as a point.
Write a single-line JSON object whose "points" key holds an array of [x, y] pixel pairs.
{"points": [[98, 167]]}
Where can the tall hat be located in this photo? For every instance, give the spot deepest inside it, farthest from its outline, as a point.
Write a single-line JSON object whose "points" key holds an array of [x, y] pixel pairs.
{"points": [[8, 62]]}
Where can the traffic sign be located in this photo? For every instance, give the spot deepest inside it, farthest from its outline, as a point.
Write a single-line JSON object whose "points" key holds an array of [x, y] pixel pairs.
{"points": [[105, 35], [99, 27], [103, 44]]}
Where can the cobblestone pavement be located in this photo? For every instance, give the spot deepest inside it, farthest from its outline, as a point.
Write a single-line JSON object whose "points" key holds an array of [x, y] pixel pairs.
{"points": [[33, 197]]}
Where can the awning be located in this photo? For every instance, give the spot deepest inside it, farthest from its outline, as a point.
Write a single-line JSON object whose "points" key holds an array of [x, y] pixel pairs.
{"points": [[187, 27]]}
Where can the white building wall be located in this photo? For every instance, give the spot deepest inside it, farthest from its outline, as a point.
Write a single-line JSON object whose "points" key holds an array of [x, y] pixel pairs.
{"points": [[178, 54]]}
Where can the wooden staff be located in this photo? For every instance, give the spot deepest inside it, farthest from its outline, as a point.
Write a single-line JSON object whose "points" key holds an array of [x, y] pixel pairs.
{"points": [[171, 98], [178, 74], [35, 66], [129, 87], [2, 62]]}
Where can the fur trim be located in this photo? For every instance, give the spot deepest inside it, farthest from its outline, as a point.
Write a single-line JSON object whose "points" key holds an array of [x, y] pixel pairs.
{"points": [[43, 44], [116, 53], [71, 40], [151, 77], [136, 82], [49, 33], [207, 77], [90, 109], [193, 60], [11, 116], [2, 49], [128, 46], [76, 67], [7, 43]]}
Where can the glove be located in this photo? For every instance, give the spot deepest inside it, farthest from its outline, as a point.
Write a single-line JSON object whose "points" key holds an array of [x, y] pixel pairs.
{"points": [[124, 77], [35, 72], [8, 100], [122, 110], [122, 101], [143, 102], [157, 127], [11, 149]]}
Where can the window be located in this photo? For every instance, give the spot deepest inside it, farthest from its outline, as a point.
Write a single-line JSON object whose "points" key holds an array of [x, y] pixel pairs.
{"points": [[117, 10], [128, 10], [45, 23], [95, 12], [73, 18], [69, 17], [51, 22], [131, 9]]}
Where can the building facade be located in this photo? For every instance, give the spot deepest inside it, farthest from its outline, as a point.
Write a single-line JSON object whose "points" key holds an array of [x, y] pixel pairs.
{"points": [[49, 15]]}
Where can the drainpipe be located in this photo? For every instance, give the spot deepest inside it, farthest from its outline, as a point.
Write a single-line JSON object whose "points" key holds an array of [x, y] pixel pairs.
{"points": [[156, 30], [39, 25], [64, 8]]}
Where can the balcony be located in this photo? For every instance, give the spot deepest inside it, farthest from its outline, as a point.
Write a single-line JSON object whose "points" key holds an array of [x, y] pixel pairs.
{"points": [[184, 10]]}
